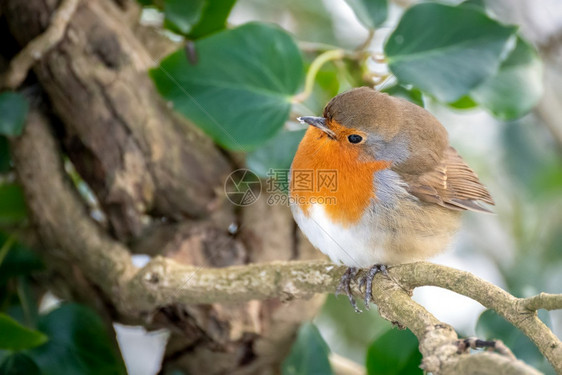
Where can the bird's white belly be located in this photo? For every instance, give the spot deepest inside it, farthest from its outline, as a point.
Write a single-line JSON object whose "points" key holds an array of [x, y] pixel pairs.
{"points": [[360, 245]]}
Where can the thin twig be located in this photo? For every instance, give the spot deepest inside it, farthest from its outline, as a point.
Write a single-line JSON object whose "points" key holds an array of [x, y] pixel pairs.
{"points": [[316, 65], [26, 58], [379, 58], [543, 301], [367, 42]]}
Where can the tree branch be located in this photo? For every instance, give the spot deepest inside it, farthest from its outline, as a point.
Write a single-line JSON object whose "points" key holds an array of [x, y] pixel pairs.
{"points": [[493, 297], [543, 301], [488, 363], [65, 227], [38, 47], [163, 281]]}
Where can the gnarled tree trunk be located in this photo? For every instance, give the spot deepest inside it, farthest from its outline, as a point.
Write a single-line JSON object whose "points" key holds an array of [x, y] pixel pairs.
{"points": [[159, 184]]}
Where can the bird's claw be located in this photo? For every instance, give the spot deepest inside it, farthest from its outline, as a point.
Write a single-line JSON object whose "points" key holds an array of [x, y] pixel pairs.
{"points": [[367, 281], [345, 287], [362, 283]]}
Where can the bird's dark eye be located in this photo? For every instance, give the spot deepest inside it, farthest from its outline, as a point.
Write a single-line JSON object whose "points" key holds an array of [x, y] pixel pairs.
{"points": [[354, 138]]}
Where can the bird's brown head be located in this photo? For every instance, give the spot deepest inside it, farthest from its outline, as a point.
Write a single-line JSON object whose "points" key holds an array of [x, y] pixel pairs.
{"points": [[371, 125]]}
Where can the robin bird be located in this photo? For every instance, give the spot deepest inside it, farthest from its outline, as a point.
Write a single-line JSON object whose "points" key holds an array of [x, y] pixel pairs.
{"points": [[399, 190]]}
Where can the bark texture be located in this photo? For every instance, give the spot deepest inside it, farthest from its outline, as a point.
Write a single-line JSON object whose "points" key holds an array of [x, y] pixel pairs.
{"points": [[137, 156], [158, 181]]}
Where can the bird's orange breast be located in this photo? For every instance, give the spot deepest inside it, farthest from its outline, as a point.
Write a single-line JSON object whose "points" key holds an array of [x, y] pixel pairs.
{"points": [[321, 158]]}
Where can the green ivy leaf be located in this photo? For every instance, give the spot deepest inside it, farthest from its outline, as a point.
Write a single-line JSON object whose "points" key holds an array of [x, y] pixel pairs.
{"points": [[240, 90], [462, 48], [371, 13], [309, 354], [19, 364], [17, 337], [181, 15], [13, 111], [12, 204], [213, 18], [78, 344], [516, 88], [412, 95], [277, 153], [197, 18], [395, 352]]}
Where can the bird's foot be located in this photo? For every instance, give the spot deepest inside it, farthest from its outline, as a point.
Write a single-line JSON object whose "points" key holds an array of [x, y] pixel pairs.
{"points": [[367, 282], [345, 287], [474, 343]]}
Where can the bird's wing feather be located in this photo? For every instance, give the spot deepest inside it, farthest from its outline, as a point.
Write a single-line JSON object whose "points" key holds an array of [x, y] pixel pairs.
{"points": [[451, 184]]}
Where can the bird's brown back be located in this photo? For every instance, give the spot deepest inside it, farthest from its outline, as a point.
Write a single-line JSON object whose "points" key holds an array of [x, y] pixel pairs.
{"points": [[433, 171]]}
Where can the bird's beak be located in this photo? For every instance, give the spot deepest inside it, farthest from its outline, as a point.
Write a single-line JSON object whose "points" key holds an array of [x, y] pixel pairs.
{"points": [[317, 122]]}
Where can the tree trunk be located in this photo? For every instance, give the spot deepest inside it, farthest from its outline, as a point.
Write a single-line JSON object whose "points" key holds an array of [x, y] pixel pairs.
{"points": [[158, 181]]}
